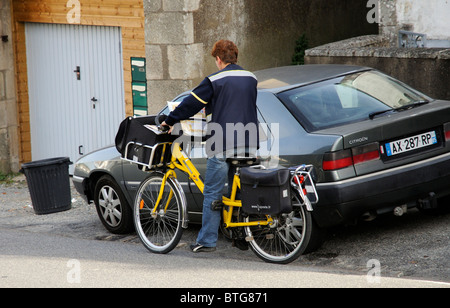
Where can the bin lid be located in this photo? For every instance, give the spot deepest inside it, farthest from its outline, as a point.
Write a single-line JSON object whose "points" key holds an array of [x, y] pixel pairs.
{"points": [[47, 162]]}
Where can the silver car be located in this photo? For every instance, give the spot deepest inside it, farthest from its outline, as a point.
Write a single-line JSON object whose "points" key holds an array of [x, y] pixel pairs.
{"points": [[378, 146]]}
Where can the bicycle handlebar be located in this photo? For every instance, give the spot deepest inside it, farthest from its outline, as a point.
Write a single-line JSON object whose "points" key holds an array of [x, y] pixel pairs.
{"points": [[163, 128]]}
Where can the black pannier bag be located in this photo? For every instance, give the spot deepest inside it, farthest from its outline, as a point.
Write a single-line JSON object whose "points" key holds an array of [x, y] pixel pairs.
{"points": [[266, 191], [136, 142]]}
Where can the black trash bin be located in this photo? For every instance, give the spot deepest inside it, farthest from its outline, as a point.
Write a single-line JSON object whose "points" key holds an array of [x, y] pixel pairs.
{"points": [[49, 184]]}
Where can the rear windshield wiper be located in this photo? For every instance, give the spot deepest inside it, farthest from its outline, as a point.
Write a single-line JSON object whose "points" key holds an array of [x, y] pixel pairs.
{"points": [[411, 106], [374, 114], [402, 108]]}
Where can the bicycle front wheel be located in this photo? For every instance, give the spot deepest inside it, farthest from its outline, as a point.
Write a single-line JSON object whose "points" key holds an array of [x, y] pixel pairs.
{"points": [[286, 238], [159, 230]]}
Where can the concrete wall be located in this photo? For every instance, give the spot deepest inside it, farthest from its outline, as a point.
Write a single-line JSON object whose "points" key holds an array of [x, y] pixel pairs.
{"points": [[426, 69], [9, 156], [181, 33], [266, 30]]}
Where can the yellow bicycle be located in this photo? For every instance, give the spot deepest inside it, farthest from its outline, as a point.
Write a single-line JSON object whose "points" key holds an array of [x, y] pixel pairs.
{"points": [[160, 207]]}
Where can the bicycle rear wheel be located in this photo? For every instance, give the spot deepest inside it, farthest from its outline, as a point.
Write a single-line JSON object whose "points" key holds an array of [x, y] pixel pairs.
{"points": [[286, 239], [159, 231]]}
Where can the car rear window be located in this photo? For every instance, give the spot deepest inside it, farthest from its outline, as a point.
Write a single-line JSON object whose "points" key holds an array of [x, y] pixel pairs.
{"points": [[347, 99]]}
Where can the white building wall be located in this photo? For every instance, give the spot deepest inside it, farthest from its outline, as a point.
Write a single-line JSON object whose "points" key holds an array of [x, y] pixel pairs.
{"points": [[429, 17]]}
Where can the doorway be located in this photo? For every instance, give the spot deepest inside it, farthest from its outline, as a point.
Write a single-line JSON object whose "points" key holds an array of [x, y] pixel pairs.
{"points": [[76, 88]]}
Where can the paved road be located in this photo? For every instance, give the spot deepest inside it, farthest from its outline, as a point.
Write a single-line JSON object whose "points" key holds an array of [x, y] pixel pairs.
{"points": [[414, 246], [31, 259]]}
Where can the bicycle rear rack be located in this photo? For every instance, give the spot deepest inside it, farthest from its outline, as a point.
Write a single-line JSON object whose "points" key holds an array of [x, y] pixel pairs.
{"points": [[303, 175]]}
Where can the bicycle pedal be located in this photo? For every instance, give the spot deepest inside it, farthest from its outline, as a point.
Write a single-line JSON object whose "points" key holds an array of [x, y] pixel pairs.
{"points": [[217, 205], [249, 238]]}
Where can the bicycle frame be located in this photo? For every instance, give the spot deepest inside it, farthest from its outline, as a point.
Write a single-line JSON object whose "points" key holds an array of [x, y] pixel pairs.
{"points": [[182, 162]]}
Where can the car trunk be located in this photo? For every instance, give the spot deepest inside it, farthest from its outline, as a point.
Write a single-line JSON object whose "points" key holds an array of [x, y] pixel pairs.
{"points": [[392, 139]]}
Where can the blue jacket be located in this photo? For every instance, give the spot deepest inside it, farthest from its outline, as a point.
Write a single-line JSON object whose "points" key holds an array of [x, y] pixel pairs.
{"points": [[229, 97]]}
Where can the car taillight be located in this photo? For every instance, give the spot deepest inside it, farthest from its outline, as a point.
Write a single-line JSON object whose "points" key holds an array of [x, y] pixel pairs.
{"points": [[447, 131], [366, 153], [347, 158], [337, 160]]}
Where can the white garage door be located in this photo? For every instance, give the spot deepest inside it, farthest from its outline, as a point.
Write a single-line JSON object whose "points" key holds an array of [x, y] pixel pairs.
{"points": [[75, 83]]}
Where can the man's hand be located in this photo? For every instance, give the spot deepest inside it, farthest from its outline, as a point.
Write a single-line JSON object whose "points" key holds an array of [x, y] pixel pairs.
{"points": [[167, 127]]}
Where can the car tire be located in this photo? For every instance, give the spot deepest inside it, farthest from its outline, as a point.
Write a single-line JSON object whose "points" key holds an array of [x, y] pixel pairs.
{"points": [[317, 239], [112, 207]]}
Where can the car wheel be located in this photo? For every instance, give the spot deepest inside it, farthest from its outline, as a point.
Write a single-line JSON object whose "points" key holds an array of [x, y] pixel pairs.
{"points": [[112, 207], [318, 235]]}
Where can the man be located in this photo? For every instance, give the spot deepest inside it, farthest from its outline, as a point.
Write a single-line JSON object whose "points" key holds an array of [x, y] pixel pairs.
{"points": [[229, 99]]}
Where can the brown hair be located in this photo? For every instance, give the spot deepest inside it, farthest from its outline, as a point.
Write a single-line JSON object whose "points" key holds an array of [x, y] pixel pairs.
{"points": [[227, 51]]}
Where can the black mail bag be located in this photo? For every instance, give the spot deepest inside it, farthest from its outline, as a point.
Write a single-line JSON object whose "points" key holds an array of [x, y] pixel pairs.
{"points": [[265, 191], [134, 130], [134, 141]]}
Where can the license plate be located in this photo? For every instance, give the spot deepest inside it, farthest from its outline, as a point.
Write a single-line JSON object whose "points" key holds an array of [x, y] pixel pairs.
{"points": [[411, 143]]}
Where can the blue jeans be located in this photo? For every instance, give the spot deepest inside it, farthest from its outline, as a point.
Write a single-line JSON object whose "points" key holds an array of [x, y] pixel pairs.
{"points": [[215, 179]]}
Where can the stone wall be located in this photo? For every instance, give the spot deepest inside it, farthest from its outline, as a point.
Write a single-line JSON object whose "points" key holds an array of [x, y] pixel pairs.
{"points": [[9, 156], [181, 33], [172, 53], [426, 69]]}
